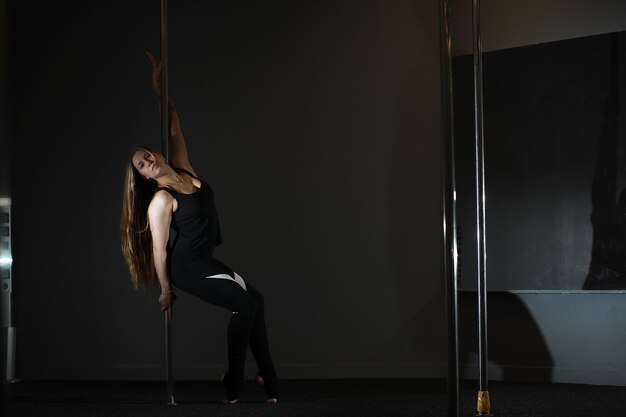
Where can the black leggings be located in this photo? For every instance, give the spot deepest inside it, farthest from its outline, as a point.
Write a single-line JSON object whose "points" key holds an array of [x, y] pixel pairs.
{"points": [[247, 324]]}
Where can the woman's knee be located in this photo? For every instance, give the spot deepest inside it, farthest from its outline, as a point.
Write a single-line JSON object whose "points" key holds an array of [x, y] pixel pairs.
{"points": [[246, 307], [258, 298]]}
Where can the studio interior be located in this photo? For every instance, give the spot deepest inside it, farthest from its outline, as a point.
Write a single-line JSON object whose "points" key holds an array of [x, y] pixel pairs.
{"points": [[378, 208]]}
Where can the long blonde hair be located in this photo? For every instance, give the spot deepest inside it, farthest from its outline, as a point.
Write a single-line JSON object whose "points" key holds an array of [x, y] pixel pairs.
{"points": [[135, 225]]}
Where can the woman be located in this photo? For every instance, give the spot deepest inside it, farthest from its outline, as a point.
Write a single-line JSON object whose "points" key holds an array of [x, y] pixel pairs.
{"points": [[158, 196]]}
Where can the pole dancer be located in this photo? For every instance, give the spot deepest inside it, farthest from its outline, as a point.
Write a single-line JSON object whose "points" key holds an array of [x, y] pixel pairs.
{"points": [[159, 195]]}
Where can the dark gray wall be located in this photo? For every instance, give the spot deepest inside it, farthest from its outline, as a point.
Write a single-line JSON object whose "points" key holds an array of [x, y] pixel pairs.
{"points": [[317, 124]]}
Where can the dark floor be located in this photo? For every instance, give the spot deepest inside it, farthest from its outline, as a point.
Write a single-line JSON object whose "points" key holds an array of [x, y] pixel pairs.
{"points": [[309, 398]]}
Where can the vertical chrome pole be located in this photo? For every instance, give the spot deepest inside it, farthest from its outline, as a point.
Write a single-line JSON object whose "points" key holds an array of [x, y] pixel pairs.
{"points": [[449, 210], [483, 404], [165, 146], [168, 361], [165, 149]]}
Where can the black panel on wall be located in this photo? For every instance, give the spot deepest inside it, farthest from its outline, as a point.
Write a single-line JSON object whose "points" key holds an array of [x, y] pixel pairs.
{"points": [[554, 155]]}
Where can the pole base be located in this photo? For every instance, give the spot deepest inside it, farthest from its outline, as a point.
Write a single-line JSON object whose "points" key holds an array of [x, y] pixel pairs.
{"points": [[483, 404], [170, 401]]}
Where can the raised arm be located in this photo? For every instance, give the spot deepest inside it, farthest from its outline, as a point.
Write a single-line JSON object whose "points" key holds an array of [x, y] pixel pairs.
{"points": [[179, 157], [160, 216], [178, 148]]}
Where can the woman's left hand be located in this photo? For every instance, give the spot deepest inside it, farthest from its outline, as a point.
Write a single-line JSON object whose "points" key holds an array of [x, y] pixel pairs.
{"points": [[167, 303], [157, 67]]}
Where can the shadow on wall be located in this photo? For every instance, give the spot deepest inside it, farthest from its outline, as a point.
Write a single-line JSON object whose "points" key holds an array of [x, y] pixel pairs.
{"points": [[516, 344], [607, 268]]}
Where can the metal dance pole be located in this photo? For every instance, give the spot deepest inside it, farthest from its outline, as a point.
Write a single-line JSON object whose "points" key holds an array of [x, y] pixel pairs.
{"points": [[165, 150], [483, 404], [449, 210], [165, 145], [168, 361]]}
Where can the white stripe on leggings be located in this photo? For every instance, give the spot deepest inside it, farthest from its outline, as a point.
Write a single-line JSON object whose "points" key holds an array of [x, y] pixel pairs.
{"points": [[237, 279]]}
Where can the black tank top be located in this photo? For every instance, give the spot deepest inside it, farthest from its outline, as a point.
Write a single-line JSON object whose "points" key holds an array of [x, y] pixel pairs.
{"points": [[196, 225]]}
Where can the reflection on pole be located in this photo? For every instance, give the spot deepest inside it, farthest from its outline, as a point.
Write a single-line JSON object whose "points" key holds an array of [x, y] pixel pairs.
{"points": [[483, 404], [165, 150], [449, 211]]}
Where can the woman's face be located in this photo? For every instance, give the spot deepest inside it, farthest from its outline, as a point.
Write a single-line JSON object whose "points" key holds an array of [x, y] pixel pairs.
{"points": [[147, 164]]}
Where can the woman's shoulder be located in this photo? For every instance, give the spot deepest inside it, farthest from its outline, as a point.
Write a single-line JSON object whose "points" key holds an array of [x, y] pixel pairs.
{"points": [[162, 202], [162, 196]]}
